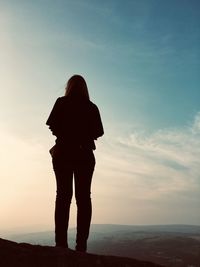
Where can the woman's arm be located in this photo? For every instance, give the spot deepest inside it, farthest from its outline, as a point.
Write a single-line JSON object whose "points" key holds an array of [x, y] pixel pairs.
{"points": [[53, 119], [97, 124]]}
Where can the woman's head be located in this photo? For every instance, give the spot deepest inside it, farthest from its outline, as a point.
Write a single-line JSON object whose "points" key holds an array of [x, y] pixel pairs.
{"points": [[77, 87]]}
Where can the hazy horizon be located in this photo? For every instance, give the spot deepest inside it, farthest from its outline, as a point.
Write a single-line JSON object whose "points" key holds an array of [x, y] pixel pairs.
{"points": [[37, 229], [141, 61]]}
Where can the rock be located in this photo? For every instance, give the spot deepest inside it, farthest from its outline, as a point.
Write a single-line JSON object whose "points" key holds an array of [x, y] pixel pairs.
{"points": [[14, 254]]}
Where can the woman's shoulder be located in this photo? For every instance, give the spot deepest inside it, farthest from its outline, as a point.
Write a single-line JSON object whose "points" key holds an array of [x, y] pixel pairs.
{"points": [[92, 105], [62, 100], [59, 100]]}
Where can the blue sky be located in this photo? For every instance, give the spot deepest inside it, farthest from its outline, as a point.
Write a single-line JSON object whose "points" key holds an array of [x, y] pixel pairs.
{"points": [[141, 61]]}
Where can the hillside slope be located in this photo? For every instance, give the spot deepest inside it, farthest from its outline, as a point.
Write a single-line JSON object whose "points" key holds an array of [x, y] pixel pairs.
{"points": [[26, 255], [169, 245]]}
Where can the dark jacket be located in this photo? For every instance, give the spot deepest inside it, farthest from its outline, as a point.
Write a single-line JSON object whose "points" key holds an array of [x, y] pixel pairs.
{"points": [[75, 122]]}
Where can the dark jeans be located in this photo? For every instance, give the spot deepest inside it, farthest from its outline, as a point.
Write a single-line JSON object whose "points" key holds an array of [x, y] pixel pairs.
{"points": [[80, 165]]}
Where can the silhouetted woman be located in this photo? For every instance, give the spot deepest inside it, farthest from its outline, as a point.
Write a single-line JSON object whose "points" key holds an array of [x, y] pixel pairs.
{"points": [[76, 123]]}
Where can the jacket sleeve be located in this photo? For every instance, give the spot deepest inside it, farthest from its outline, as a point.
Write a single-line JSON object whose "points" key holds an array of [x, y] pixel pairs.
{"points": [[53, 118], [97, 124]]}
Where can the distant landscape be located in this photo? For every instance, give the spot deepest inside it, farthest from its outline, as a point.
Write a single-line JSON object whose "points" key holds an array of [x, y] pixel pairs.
{"points": [[168, 245]]}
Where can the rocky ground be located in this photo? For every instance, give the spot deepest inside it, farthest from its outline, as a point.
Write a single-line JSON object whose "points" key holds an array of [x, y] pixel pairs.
{"points": [[14, 254]]}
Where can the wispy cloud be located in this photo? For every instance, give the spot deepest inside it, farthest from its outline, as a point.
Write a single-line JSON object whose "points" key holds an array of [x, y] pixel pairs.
{"points": [[148, 178], [165, 162]]}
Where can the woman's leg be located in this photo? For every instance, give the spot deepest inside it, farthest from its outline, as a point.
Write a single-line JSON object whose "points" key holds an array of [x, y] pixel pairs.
{"points": [[64, 177], [83, 177]]}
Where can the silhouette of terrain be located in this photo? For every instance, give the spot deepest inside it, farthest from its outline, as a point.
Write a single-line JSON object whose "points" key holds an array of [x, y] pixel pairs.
{"points": [[169, 245], [26, 255]]}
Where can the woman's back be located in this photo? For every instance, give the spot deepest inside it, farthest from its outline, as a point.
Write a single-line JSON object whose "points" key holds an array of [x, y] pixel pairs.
{"points": [[75, 122]]}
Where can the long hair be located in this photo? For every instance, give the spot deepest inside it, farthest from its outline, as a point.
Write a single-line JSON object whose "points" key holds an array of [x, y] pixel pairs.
{"points": [[77, 87]]}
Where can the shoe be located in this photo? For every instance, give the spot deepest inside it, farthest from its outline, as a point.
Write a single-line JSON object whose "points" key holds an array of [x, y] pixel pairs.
{"points": [[61, 246], [81, 248]]}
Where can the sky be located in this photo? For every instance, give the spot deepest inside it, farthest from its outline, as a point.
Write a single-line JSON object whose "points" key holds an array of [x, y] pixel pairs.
{"points": [[141, 61]]}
